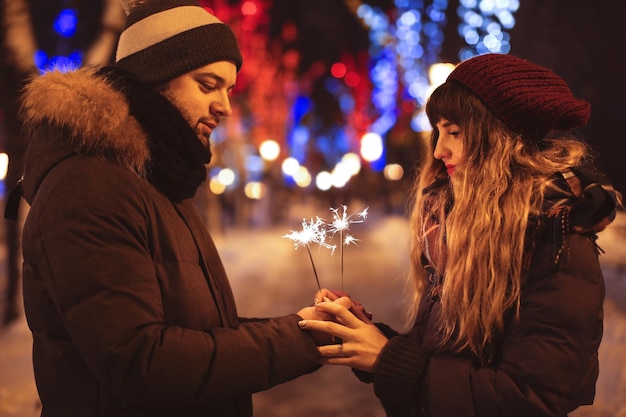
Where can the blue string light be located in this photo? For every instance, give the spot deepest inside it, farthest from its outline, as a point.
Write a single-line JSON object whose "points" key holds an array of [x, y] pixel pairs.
{"points": [[484, 24], [65, 25], [419, 33], [384, 68]]}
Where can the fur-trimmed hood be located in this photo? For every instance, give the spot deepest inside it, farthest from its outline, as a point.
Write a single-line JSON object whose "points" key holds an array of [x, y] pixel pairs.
{"points": [[82, 113]]}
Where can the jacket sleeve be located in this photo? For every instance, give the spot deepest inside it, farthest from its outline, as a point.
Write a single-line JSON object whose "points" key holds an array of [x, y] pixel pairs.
{"points": [[90, 246], [368, 377], [549, 357]]}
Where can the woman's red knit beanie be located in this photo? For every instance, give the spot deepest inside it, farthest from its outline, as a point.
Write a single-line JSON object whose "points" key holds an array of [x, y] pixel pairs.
{"points": [[528, 98]]}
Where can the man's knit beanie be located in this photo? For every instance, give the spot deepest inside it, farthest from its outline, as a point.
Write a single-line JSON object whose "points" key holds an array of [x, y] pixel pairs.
{"points": [[163, 39], [528, 98]]}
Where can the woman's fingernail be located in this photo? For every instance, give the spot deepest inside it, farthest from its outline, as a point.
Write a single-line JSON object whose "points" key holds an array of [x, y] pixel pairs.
{"points": [[302, 324], [327, 299]]}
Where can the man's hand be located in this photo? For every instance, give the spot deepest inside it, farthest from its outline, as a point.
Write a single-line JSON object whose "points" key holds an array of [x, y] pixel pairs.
{"points": [[312, 313]]}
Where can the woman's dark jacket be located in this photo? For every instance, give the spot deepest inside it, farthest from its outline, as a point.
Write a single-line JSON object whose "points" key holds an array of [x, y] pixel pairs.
{"points": [[128, 302], [546, 363]]}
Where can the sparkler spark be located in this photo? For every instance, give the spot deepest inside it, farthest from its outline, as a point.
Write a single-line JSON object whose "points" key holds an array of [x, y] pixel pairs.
{"points": [[350, 239], [315, 231], [312, 232], [342, 222]]}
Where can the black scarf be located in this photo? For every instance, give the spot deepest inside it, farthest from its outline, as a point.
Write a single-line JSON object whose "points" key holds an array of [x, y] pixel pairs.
{"points": [[177, 157]]}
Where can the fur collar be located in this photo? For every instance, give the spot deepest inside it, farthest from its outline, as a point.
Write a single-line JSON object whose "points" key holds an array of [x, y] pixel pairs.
{"points": [[94, 113]]}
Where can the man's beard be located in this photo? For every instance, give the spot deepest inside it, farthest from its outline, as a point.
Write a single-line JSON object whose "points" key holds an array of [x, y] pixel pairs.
{"points": [[204, 139]]}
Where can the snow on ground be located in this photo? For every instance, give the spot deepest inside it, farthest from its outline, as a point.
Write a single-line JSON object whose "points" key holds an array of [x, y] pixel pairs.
{"points": [[270, 277]]}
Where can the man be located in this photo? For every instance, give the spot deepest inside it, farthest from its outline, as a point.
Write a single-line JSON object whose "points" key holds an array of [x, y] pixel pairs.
{"points": [[127, 299]]}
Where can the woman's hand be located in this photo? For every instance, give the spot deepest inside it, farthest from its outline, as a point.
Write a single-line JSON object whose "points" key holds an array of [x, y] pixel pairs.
{"points": [[361, 341], [357, 308]]}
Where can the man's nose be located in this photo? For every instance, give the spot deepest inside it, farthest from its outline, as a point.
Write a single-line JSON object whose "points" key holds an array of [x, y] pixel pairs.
{"points": [[222, 106]]}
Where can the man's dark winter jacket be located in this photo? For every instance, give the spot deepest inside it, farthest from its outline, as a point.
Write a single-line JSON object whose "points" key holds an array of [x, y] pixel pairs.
{"points": [[127, 299]]}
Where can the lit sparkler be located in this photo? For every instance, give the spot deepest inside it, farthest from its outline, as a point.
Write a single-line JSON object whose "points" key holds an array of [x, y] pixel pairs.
{"points": [[341, 222], [312, 232]]}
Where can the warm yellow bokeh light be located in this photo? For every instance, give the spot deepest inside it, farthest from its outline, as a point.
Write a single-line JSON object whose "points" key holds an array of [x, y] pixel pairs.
{"points": [[393, 172], [352, 163], [226, 176], [4, 165], [324, 181], [216, 186], [290, 166], [371, 146], [255, 190], [269, 150], [302, 177]]}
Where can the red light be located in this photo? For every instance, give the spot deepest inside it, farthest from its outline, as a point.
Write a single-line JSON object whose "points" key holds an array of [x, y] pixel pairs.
{"points": [[352, 79], [249, 25], [248, 8], [408, 106], [291, 58], [338, 70], [289, 32]]}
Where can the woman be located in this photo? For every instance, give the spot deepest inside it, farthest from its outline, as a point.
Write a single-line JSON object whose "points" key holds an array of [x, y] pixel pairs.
{"points": [[509, 290]]}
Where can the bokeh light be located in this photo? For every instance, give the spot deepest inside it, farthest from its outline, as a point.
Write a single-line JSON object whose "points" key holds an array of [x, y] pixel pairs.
{"points": [[66, 23], [393, 172], [226, 176], [484, 24], [269, 150], [255, 190], [290, 166], [324, 181], [4, 165], [302, 177], [216, 186], [371, 146]]}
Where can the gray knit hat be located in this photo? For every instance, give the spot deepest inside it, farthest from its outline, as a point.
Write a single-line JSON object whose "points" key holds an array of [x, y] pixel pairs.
{"points": [[167, 38]]}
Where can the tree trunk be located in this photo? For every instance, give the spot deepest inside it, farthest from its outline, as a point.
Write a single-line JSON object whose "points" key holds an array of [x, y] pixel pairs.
{"points": [[17, 46]]}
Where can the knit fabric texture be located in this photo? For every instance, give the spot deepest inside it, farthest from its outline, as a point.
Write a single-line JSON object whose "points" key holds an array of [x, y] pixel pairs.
{"points": [[163, 39], [528, 98]]}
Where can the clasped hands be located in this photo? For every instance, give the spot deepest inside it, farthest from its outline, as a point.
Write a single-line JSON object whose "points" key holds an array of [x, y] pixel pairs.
{"points": [[343, 331]]}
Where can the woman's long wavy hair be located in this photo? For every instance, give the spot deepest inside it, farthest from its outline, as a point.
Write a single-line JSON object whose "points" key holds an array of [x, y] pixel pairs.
{"points": [[499, 185]]}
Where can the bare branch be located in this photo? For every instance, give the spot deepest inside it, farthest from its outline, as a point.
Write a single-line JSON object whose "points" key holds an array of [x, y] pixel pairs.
{"points": [[20, 44], [113, 18]]}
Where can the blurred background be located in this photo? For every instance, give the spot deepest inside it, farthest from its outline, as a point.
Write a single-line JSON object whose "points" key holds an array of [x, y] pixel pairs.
{"points": [[328, 111]]}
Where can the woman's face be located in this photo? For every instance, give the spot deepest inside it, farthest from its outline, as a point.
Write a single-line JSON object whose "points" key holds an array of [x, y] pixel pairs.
{"points": [[449, 147]]}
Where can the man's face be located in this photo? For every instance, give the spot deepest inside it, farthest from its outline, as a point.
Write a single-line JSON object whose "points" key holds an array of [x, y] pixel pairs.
{"points": [[203, 96]]}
